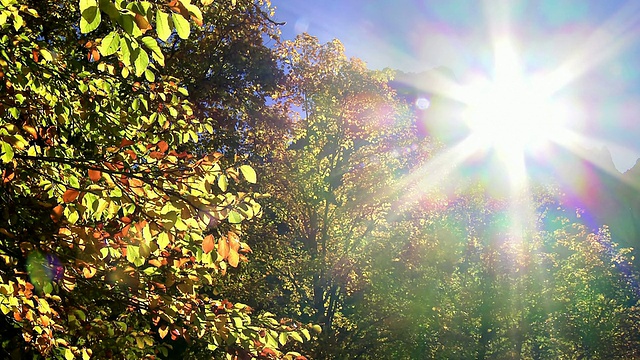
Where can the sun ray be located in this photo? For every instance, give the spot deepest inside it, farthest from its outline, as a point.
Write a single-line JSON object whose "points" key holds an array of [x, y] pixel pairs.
{"points": [[609, 40]]}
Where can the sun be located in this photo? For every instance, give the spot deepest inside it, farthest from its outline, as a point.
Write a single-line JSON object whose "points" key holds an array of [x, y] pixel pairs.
{"points": [[513, 110], [513, 113]]}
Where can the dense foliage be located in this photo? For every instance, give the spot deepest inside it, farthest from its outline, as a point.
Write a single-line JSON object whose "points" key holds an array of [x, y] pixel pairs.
{"points": [[166, 163], [114, 237]]}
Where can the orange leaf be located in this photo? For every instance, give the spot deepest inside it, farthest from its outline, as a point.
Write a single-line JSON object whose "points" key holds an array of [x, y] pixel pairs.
{"points": [[155, 262], [234, 241], [177, 6], [88, 272], [163, 146], [35, 55], [156, 155], [142, 22], [95, 175], [208, 244], [197, 21], [137, 187], [70, 195], [56, 213], [31, 130], [95, 54], [223, 248], [7, 175]]}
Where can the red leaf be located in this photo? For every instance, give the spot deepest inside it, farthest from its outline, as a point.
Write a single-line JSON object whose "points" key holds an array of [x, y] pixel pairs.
{"points": [[95, 175], [156, 155], [208, 244], [56, 213], [70, 195], [126, 142], [163, 146]]}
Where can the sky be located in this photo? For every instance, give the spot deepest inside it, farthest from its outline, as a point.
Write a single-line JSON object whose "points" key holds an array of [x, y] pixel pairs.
{"points": [[590, 48]]}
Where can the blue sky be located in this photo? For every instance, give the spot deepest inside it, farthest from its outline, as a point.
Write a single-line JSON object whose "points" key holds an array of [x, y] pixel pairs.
{"points": [[597, 42]]}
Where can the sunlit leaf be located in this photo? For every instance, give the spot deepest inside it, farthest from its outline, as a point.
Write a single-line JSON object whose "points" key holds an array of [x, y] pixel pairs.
{"points": [[110, 44], [208, 244], [163, 25], [70, 195], [249, 174], [183, 28], [90, 19]]}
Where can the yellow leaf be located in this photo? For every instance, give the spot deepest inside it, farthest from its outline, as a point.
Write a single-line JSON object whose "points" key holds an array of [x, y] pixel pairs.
{"points": [[223, 247], [234, 258], [163, 331]]}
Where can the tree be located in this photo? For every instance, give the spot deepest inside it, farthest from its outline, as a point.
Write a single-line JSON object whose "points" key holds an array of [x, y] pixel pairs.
{"points": [[345, 143], [465, 284], [113, 238]]}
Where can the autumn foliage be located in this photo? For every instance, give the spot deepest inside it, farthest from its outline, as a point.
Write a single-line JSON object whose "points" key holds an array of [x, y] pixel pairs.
{"points": [[115, 233], [172, 186]]}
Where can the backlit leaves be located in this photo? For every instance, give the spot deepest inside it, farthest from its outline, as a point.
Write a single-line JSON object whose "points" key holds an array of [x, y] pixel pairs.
{"points": [[112, 216], [110, 44], [90, 15], [208, 244], [249, 174], [163, 25], [181, 24]]}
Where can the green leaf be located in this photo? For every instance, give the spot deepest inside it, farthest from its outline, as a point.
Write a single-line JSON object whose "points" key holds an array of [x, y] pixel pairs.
{"points": [[152, 45], [91, 18], [296, 336], [110, 9], [249, 174], [47, 288], [163, 240], [15, 112], [163, 27], [282, 338], [85, 4], [7, 152], [195, 12], [18, 22], [46, 54], [133, 253], [128, 23], [234, 217], [141, 62], [182, 25], [223, 182], [110, 44], [68, 354], [149, 75]]}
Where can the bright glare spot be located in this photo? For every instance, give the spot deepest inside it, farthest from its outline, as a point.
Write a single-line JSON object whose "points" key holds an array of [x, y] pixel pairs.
{"points": [[514, 111], [513, 116]]}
